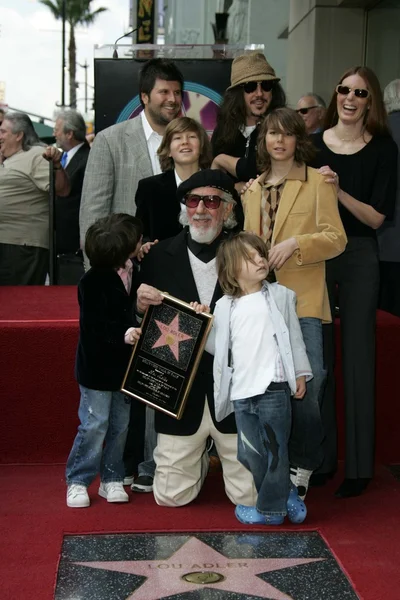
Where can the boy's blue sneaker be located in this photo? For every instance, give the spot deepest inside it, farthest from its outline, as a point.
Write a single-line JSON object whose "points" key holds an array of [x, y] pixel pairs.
{"points": [[249, 515], [296, 509]]}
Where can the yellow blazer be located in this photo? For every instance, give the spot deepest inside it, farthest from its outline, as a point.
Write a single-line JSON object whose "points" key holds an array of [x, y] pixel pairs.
{"points": [[307, 211]]}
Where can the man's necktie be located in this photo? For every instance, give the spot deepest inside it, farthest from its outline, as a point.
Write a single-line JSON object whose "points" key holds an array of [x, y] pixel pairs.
{"points": [[64, 159]]}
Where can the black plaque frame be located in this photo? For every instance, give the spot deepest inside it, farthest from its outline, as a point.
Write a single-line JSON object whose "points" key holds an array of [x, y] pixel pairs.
{"points": [[154, 374]]}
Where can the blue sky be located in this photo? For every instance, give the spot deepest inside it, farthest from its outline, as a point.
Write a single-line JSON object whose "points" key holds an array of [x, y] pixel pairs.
{"points": [[30, 51]]}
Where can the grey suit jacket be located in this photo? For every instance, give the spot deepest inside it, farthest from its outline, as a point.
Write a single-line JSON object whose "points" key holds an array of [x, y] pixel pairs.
{"points": [[119, 158], [289, 338]]}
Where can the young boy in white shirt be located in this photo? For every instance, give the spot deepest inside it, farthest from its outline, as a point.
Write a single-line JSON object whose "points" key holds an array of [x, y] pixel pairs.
{"points": [[260, 360]]}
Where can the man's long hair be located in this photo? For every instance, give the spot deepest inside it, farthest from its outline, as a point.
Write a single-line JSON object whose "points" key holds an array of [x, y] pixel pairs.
{"points": [[21, 123], [232, 113]]}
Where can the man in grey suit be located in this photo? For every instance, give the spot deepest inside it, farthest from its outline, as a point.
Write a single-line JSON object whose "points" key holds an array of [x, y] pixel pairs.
{"points": [[120, 157], [125, 153]]}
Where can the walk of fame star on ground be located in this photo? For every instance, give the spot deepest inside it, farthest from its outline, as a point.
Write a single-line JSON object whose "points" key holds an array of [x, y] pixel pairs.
{"points": [[164, 576]]}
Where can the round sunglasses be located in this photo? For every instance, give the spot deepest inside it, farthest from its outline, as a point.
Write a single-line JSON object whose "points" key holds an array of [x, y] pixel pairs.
{"points": [[344, 90], [251, 86], [304, 111], [210, 201]]}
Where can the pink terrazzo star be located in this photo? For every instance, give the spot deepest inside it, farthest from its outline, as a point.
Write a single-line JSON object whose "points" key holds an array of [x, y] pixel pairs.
{"points": [[164, 576], [171, 336]]}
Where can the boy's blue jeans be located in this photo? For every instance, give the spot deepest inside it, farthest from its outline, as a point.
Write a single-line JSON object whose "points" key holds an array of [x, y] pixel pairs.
{"points": [[104, 418], [263, 424]]}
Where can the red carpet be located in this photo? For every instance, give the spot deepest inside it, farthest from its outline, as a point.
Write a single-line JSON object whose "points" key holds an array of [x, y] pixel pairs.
{"points": [[363, 533], [38, 336]]}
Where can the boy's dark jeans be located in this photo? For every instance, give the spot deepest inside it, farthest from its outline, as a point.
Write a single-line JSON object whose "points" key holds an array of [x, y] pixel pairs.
{"points": [[263, 424]]}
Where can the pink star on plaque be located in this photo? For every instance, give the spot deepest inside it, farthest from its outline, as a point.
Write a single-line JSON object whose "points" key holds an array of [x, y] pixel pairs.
{"points": [[171, 336], [164, 576]]}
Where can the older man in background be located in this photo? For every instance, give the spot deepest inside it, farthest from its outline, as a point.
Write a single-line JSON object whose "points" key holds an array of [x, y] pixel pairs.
{"points": [[70, 134], [24, 204], [312, 108]]}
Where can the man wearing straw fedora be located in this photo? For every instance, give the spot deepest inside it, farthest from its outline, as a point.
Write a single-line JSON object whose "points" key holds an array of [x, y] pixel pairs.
{"points": [[254, 92]]}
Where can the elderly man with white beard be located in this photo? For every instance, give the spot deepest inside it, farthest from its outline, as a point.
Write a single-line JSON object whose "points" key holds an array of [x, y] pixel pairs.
{"points": [[184, 266]]}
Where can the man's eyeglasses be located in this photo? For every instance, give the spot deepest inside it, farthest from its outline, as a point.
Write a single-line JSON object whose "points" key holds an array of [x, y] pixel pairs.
{"points": [[210, 201], [251, 86], [304, 111], [344, 90]]}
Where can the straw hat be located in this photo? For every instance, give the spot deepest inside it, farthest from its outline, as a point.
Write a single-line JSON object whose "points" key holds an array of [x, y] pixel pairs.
{"points": [[251, 67]]}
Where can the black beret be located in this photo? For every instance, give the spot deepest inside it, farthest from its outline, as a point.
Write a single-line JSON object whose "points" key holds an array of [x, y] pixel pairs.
{"points": [[208, 178]]}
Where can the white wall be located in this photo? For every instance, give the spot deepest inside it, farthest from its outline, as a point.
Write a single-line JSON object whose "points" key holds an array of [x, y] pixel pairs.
{"points": [[325, 38], [339, 44], [188, 21], [324, 41], [300, 62], [383, 43], [268, 19]]}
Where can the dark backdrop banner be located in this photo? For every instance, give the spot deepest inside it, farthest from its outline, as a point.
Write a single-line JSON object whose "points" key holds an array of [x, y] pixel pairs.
{"points": [[117, 86]]}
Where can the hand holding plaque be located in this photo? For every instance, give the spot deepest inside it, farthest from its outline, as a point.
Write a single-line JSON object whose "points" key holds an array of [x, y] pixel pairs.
{"points": [[147, 295], [165, 359]]}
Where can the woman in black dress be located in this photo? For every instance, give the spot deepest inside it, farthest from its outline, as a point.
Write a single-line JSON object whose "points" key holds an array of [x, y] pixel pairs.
{"points": [[184, 150], [358, 155]]}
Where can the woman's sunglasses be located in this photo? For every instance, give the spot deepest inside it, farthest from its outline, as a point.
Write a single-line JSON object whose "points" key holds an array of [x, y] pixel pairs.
{"points": [[211, 201], [251, 86], [344, 90]]}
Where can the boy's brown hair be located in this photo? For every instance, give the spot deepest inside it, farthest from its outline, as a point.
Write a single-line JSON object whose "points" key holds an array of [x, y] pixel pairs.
{"points": [[230, 254], [288, 121], [181, 125], [110, 240]]}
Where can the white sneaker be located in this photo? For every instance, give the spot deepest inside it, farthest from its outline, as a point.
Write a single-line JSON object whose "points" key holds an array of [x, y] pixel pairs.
{"points": [[300, 478], [77, 496], [113, 491]]}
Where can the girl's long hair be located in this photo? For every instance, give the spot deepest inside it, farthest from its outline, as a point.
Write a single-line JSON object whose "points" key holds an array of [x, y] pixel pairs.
{"points": [[232, 114]]}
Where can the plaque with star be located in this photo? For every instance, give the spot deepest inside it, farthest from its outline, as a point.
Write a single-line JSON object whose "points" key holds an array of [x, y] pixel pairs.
{"points": [[165, 360]]}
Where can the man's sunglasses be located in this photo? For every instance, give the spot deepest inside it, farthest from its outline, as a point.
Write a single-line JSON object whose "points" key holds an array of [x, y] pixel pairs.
{"points": [[344, 90], [210, 201], [251, 86], [304, 111]]}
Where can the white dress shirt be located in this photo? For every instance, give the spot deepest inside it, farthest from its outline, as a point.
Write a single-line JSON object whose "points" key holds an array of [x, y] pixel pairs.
{"points": [[178, 183], [72, 153], [153, 140], [177, 179]]}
